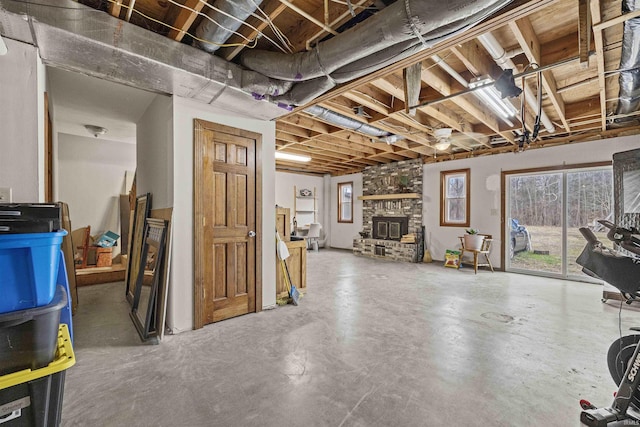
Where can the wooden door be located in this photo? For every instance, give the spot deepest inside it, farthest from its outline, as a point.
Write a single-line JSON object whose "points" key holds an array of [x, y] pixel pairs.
{"points": [[227, 213]]}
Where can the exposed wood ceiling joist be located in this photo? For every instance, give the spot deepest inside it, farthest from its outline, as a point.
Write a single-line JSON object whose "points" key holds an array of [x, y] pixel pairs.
{"points": [[577, 94]]}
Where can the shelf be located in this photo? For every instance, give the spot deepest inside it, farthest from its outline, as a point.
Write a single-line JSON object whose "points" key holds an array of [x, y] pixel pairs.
{"points": [[390, 196], [308, 207]]}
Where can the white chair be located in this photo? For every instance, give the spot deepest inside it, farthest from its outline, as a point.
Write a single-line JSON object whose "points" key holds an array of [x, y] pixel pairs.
{"points": [[313, 235]]}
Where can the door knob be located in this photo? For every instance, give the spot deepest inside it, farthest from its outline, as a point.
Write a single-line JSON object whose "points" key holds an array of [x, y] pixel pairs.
{"points": [[252, 234]]}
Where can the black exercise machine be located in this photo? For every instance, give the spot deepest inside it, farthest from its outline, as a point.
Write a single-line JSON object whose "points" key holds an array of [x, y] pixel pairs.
{"points": [[623, 358]]}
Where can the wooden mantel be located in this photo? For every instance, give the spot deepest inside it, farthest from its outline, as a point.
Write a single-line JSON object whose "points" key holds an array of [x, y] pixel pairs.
{"points": [[390, 196]]}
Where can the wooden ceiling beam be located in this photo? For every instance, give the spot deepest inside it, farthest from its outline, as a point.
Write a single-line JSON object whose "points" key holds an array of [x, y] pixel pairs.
{"points": [[337, 141], [559, 49], [283, 135], [468, 103], [617, 20], [115, 8], [522, 10], [335, 23], [528, 40], [401, 151], [392, 85], [369, 102], [310, 166], [569, 139], [441, 114], [442, 83], [586, 108], [185, 18], [378, 122], [309, 123], [584, 32], [343, 151], [292, 129], [309, 17], [474, 58], [399, 115]]}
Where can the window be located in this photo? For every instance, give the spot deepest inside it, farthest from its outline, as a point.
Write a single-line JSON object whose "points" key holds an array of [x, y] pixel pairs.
{"points": [[454, 198], [345, 202]]}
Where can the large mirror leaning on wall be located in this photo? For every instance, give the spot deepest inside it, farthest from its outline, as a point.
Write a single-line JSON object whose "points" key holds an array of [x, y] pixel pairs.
{"points": [[142, 210], [143, 311]]}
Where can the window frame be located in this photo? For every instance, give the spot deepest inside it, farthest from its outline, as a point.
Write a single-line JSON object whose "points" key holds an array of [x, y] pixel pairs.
{"points": [[444, 180], [340, 202]]}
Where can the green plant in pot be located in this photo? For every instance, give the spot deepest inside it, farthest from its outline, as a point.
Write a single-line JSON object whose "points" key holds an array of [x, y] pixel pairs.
{"points": [[473, 240]]}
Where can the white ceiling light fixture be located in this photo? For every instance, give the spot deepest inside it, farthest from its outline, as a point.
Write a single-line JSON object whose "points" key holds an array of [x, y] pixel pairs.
{"points": [[96, 130], [442, 137], [490, 95], [442, 145], [292, 157]]}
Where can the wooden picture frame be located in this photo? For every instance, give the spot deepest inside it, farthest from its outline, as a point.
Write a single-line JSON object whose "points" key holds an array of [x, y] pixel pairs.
{"points": [[163, 285], [142, 209], [144, 311]]}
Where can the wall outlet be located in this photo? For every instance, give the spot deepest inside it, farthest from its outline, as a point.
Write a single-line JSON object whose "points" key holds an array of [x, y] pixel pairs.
{"points": [[5, 195]]}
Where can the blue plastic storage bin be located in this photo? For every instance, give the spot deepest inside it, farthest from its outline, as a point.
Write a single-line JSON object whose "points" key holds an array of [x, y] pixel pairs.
{"points": [[28, 269]]}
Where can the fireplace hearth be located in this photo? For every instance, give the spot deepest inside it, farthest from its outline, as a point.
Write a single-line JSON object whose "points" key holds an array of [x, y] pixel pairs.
{"points": [[390, 227]]}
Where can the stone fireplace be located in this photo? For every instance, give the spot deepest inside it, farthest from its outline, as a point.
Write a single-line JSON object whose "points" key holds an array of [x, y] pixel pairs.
{"points": [[392, 208]]}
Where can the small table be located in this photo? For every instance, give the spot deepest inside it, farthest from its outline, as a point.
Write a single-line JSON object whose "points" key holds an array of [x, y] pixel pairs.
{"points": [[484, 250]]}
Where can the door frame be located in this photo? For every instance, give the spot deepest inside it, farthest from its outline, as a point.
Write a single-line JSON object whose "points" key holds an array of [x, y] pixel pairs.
{"points": [[199, 126], [503, 196]]}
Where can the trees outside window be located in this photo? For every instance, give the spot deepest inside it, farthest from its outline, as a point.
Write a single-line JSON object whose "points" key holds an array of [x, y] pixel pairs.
{"points": [[454, 198], [345, 202]]}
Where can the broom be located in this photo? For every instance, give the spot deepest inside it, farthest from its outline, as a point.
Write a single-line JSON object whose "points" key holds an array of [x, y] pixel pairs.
{"points": [[295, 294], [283, 254], [427, 254]]}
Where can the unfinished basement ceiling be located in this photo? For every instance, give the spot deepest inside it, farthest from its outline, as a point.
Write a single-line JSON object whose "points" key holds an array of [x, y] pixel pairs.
{"points": [[580, 88]]}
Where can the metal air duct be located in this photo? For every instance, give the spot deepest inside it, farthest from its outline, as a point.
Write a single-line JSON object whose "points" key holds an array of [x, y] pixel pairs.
{"points": [[78, 38], [629, 78], [347, 122], [396, 32], [501, 57], [226, 18]]}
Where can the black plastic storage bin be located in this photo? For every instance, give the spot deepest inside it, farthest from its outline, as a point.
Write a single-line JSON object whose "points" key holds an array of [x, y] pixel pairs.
{"points": [[36, 403], [33, 398], [30, 217], [29, 337]]}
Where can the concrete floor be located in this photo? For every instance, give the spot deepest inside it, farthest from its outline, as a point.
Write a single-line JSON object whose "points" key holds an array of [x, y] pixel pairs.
{"points": [[373, 343]]}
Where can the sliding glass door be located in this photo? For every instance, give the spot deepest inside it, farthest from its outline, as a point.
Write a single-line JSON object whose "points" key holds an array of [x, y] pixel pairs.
{"points": [[544, 211]]}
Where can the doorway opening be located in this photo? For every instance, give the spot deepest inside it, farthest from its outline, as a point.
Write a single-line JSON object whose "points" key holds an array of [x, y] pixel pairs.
{"points": [[543, 209]]}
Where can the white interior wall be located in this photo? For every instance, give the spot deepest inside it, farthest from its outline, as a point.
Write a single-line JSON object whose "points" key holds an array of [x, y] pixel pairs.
{"points": [[91, 174], [20, 117], [326, 213], [180, 304], [284, 195], [486, 185], [342, 234], [154, 136]]}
